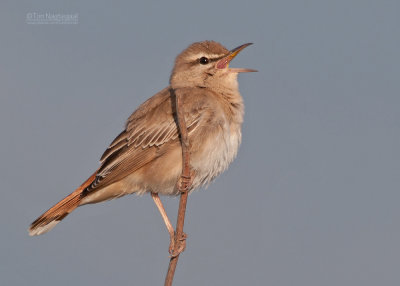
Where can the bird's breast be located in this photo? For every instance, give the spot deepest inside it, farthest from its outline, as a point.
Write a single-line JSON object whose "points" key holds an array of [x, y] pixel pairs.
{"points": [[217, 152]]}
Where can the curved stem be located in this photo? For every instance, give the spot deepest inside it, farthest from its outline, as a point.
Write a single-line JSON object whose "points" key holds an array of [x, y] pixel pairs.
{"points": [[186, 176]]}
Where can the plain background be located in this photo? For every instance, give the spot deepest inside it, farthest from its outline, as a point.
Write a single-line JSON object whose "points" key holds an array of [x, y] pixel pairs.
{"points": [[313, 197]]}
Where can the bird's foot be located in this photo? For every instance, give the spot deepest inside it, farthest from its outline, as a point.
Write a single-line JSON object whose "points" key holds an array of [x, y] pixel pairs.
{"points": [[177, 244], [185, 182]]}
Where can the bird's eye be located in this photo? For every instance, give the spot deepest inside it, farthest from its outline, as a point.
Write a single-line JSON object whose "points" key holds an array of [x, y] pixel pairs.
{"points": [[203, 60]]}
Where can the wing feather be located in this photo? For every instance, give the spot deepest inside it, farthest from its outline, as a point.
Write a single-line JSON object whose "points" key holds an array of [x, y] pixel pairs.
{"points": [[143, 140]]}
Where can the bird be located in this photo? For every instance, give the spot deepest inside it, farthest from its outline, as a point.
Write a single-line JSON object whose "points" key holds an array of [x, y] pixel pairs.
{"points": [[146, 157]]}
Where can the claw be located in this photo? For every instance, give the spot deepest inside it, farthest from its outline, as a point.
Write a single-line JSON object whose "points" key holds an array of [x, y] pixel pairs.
{"points": [[185, 182], [180, 244], [171, 246]]}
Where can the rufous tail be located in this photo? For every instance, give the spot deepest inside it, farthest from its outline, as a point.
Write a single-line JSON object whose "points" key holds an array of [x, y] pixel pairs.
{"points": [[59, 211]]}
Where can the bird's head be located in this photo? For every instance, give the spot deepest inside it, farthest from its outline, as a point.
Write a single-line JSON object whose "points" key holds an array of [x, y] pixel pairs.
{"points": [[206, 64]]}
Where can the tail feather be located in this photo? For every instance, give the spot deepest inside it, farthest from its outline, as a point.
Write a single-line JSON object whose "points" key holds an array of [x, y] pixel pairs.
{"points": [[59, 211]]}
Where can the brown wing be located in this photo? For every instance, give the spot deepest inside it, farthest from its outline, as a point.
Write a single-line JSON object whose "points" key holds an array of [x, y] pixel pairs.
{"points": [[147, 131]]}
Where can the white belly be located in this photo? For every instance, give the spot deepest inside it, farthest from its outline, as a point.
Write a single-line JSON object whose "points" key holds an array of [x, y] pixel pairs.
{"points": [[215, 159]]}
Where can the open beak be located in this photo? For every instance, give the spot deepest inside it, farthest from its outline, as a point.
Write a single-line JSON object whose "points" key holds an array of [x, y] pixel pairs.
{"points": [[224, 62]]}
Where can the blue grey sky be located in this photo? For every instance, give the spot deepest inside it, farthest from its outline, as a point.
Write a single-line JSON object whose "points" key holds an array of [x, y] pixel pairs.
{"points": [[313, 197]]}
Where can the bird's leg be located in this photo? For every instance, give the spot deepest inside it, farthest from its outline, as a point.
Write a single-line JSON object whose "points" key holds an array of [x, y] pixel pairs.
{"points": [[183, 185], [167, 222]]}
